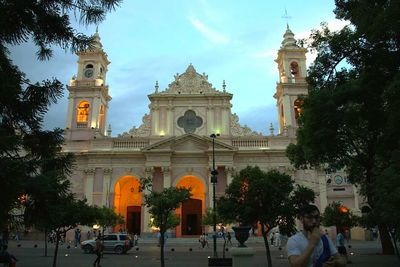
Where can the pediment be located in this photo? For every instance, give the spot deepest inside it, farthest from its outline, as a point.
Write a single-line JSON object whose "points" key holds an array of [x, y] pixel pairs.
{"points": [[188, 143]]}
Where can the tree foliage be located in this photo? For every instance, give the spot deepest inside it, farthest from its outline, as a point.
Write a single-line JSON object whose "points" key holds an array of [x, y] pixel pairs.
{"points": [[337, 215], [269, 198], [162, 206], [353, 100], [29, 156]]}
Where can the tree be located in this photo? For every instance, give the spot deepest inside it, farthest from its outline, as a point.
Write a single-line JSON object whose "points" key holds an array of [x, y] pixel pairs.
{"points": [[353, 100], [337, 215], [23, 104], [208, 219], [268, 198], [107, 217], [162, 206]]}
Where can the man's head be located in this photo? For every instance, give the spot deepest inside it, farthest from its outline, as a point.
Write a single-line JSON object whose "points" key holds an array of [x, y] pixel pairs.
{"points": [[310, 217]]}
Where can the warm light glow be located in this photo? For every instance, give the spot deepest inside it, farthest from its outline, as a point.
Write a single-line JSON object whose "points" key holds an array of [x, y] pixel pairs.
{"points": [[126, 194], [82, 114], [162, 133], [217, 131], [99, 82], [96, 227], [343, 209]]}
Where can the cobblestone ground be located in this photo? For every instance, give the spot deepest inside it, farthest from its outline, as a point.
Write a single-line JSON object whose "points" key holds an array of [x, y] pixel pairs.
{"points": [[180, 253]]}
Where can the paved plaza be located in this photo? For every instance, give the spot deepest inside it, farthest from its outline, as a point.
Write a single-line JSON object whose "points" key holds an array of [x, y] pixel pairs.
{"points": [[178, 253]]}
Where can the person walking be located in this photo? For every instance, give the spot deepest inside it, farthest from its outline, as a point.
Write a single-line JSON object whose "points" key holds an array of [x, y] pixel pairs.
{"points": [[272, 238], [135, 240], [309, 247], [77, 237], [229, 237], [98, 250], [341, 246]]}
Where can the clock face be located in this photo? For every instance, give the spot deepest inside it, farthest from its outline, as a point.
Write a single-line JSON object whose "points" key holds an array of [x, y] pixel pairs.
{"points": [[338, 179], [88, 73]]}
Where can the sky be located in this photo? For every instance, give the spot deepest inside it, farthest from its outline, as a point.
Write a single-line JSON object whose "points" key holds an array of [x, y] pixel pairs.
{"points": [[149, 41]]}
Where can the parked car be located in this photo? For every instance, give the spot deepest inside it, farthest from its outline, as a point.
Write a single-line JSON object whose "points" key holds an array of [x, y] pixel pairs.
{"points": [[113, 242]]}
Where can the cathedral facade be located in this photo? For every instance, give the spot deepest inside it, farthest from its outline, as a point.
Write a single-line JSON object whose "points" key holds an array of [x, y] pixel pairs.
{"points": [[174, 145]]}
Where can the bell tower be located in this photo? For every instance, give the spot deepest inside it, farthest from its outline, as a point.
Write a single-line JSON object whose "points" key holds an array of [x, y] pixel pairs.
{"points": [[292, 84], [88, 95]]}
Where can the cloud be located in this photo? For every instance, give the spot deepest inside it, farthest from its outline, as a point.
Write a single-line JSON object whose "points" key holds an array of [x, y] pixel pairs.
{"points": [[210, 34]]}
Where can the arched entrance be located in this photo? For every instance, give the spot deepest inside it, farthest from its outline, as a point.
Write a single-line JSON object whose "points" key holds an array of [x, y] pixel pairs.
{"points": [[128, 203], [191, 211]]}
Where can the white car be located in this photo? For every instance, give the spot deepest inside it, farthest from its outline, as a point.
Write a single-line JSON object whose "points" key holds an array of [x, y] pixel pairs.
{"points": [[114, 242]]}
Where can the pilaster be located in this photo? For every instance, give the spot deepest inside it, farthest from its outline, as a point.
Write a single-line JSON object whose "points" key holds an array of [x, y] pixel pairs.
{"points": [[89, 178], [323, 195], [146, 214], [106, 201], [229, 174], [167, 177]]}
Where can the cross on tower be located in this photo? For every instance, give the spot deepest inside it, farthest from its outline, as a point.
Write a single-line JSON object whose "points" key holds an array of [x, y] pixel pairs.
{"points": [[287, 18]]}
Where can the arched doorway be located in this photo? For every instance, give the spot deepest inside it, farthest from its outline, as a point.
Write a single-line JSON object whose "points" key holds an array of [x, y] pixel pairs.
{"points": [[192, 210], [128, 203]]}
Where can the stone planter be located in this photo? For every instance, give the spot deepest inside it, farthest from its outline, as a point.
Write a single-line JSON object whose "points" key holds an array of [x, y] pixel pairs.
{"points": [[241, 234]]}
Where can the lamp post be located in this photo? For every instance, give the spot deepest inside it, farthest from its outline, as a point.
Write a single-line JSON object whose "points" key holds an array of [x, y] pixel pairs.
{"points": [[214, 178]]}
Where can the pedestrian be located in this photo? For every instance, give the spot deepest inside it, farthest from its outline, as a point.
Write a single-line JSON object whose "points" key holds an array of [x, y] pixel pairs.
{"points": [[135, 240], [341, 246], [159, 238], [272, 238], [206, 240], [229, 237], [201, 240], [309, 247], [7, 257], [77, 237], [88, 235], [17, 236], [98, 249]]}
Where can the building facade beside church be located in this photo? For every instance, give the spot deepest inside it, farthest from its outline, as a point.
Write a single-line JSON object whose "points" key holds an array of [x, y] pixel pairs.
{"points": [[173, 144]]}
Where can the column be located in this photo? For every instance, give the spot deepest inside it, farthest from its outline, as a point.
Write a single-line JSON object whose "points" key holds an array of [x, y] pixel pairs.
{"points": [[225, 118], [89, 185], [229, 174], [210, 118], [71, 110], [146, 214], [287, 110], [356, 200], [95, 112], [323, 195], [167, 177], [169, 119], [106, 201]]}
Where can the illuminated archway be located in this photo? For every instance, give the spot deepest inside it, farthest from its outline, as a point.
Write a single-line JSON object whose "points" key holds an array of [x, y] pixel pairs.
{"points": [[191, 212], [82, 114], [128, 203]]}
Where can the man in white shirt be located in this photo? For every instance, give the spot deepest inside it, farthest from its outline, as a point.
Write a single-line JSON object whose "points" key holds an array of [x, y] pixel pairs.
{"points": [[309, 247]]}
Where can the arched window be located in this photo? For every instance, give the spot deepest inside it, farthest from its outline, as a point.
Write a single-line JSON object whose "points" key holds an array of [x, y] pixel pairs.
{"points": [[294, 69], [89, 66], [82, 114], [297, 108], [101, 123]]}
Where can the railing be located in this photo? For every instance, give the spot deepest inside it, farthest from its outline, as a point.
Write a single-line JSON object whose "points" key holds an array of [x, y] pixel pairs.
{"points": [[130, 143], [250, 142], [81, 125]]}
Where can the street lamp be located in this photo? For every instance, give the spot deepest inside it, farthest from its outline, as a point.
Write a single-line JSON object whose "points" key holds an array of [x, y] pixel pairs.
{"points": [[214, 174]]}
